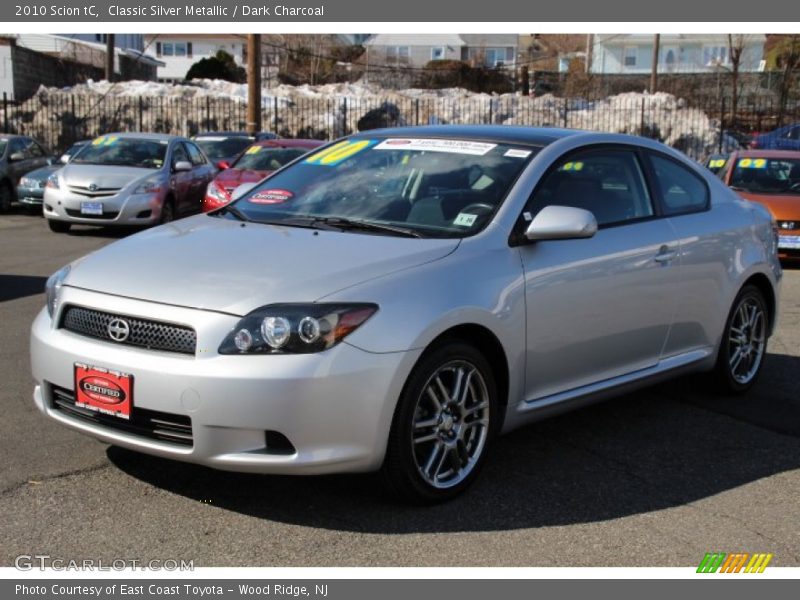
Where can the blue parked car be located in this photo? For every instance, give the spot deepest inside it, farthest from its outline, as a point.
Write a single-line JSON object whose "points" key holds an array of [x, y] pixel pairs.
{"points": [[784, 138]]}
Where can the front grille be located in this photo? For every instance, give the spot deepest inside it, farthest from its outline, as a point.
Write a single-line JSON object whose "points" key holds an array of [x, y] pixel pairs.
{"points": [[79, 215], [96, 193], [151, 424], [153, 335]]}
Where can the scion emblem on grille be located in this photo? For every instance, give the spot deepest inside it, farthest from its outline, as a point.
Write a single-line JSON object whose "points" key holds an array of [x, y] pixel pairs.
{"points": [[118, 330]]}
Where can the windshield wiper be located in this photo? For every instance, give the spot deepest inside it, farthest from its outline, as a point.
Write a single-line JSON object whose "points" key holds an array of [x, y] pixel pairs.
{"points": [[235, 212], [344, 223]]}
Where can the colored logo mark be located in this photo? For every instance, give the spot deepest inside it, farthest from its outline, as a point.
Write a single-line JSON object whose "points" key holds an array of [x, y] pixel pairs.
{"points": [[737, 562], [339, 152]]}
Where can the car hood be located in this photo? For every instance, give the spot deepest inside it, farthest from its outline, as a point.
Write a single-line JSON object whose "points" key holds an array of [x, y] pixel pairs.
{"points": [[42, 173], [102, 176], [211, 263], [782, 207], [232, 178]]}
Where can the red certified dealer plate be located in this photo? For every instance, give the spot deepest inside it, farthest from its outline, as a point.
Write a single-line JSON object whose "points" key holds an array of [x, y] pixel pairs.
{"points": [[105, 391]]}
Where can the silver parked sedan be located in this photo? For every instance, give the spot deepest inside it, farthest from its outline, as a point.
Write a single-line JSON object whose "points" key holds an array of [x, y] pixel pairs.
{"points": [[396, 299], [128, 179]]}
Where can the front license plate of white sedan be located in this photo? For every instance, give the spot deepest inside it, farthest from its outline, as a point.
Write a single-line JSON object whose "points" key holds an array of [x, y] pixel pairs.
{"points": [[791, 242], [91, 208]]}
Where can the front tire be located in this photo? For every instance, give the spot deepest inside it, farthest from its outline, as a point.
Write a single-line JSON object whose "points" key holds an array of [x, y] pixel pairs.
{"points": [[744, 342], [442, 425], [167, 211], [6, 196]]}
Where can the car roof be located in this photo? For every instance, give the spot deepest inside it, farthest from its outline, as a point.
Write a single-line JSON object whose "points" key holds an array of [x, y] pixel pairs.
{"points": [[8, 136], [223, 134], [289, 143], [766, 154], [144, 136], [502, 134]]}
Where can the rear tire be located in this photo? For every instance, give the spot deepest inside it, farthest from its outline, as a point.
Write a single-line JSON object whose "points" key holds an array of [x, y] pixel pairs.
{"points": [[442, 425], [58, 226], [744, 343]]}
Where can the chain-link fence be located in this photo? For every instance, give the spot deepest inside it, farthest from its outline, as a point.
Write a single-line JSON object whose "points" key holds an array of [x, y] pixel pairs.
{"points": [[701, 127]]}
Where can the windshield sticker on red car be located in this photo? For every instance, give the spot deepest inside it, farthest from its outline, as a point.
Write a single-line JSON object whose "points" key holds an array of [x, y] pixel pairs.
{"points": [[436, 145], [253, 150], [338, 153], [270, 196], [716, 163], [753, 163]]}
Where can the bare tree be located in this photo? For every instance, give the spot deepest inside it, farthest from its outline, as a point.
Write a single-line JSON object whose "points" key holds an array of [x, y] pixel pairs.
{"points": [[787, 58]]}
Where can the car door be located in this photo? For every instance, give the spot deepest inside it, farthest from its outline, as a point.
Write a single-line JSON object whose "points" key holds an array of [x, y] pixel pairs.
{"points": [[181, 180], [21, 163], [201, 174], [600, 307], [790, 140]]}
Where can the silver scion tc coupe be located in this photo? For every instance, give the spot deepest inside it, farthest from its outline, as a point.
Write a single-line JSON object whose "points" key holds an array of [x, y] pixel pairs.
{"points": [[128, 179], [396, 299]]}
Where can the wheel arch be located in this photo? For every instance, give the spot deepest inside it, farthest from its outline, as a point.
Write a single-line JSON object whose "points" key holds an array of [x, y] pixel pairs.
{"points": [[485, 341], [763, 284]]}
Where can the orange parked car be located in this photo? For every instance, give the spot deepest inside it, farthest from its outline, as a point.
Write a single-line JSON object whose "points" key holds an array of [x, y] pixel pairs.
{"points": [[771, 177]]}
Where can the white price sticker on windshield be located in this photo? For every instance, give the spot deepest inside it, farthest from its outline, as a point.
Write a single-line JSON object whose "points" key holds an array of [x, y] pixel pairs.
{"points": [[434, 145], [465, 219]]}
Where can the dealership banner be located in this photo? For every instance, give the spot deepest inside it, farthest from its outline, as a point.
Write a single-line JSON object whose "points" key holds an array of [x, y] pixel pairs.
{"points": [[387, 589], [339, 11]]}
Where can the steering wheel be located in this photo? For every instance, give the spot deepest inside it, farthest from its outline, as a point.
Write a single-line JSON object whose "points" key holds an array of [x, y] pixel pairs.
{"points": [[478, 208]]}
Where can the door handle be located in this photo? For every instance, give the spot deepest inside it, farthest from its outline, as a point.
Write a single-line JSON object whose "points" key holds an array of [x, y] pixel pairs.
{"points": [[665, 255]]}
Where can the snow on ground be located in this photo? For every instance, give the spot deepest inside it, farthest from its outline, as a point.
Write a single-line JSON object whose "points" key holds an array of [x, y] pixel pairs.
{"points": [[332, 110]]}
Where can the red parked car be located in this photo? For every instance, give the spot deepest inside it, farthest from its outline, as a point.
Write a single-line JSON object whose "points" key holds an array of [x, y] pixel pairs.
{"points": [[255, 163]]}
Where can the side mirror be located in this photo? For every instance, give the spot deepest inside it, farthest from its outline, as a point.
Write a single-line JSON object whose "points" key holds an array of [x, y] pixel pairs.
{"points": [[242, 190], [561, 223], [64, 159], [16, 156], [182, 165], [223, 164]]}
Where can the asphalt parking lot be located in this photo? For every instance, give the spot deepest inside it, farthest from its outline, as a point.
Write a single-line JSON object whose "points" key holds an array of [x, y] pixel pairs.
{"points": [[655, 478]]}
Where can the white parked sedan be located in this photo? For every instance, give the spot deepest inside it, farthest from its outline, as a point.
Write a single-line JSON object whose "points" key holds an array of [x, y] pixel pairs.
{"points": [[398, 298]]}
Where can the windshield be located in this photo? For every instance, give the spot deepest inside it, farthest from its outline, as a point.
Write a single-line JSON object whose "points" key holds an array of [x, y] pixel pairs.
{"points": [[217, 148], [427, 187], [264, 158], [73, 150], [121, 151], [767, 175]]}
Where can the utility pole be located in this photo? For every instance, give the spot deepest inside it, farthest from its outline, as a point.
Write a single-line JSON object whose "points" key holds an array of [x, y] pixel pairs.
{"points": [[253, 83], [109, 57], [589, 52], [654, 68]]}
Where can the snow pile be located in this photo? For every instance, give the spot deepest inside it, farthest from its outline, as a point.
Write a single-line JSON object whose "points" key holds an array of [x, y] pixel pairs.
{"points": [[333, 110]]}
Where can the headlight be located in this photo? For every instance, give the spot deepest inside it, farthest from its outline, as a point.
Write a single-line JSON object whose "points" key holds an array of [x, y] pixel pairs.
{"points": [[148, 186], [53, 181], [53, 287], [216, 192], [295, 328]]}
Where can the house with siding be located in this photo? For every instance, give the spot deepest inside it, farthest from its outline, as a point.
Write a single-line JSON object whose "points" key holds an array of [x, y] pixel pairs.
{"points": [[416, 50], [678, 53]]}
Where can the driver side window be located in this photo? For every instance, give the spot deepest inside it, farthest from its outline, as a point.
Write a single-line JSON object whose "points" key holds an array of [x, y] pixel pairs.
{"points": [[179, 154], [607, 182]]}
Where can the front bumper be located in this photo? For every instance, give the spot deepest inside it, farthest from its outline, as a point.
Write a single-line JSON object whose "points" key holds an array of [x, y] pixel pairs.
{"points": [[122, 208], [335, 407], [789, 245], [30, 196]]}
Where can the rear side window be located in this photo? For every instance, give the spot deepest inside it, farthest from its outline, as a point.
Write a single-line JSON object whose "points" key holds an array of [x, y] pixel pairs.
{"points": [[682, 191]]}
